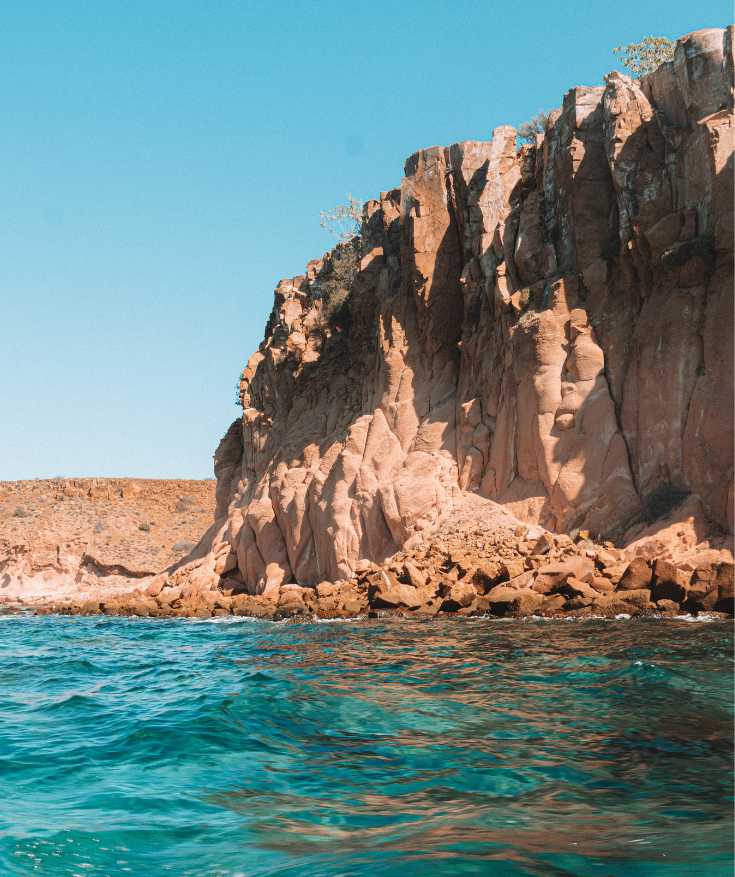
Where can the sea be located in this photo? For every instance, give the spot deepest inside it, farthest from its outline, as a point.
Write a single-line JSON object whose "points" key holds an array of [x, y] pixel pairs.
{"points": [[242, 748]]}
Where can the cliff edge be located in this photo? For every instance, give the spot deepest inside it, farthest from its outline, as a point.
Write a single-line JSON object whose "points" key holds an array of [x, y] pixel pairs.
{"points": [[549, 327], [518, 376]]}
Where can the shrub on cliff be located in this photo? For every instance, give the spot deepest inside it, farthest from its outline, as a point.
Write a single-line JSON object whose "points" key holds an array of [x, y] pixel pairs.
{"points": [[343, 221], [644, 57], [336, 278], [537, 125]]}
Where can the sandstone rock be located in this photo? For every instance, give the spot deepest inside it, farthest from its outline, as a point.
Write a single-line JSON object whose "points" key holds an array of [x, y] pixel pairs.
{"points": [[552, 575], [511, 569], [637, 575], [574, 588], [386, 592], [615, 572], [725, 581], [553, 604], [414, 574], [511, 601], [543, 544], [524, 580], [457, 595], [668, 606], [602, 584], [294, 600], [640, 597], [671, 582]]}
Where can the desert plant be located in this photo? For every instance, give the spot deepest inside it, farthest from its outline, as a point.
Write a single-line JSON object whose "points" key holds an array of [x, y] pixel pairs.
{"points": [[335, 280], [536, 125], [644, 57], [343, 221], [20, 512]]}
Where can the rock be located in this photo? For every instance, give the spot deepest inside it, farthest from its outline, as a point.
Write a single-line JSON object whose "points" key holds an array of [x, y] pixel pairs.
{"points": [[553, 604], [511, 601], [671, 582], [487, 574], [637, 575], [534, 339], [457, 595], [725, 581], [668, 606], [602, 584], [386, 592], [524, 580], [414, 574], [639, 597], [615, 572], [294, 600], [543, 544], [552, 575], [511, 569], [578, 590]]}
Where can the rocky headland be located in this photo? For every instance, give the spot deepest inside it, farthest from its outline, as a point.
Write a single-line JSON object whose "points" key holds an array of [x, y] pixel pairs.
{"points": [[511, 394]]}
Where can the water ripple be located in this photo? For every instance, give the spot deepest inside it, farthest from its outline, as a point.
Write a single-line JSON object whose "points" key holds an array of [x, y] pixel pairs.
{"points": [[506, 748]]}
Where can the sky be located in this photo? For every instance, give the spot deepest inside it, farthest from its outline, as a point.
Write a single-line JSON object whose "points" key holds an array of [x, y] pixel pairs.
{"points": [[163, 163]]}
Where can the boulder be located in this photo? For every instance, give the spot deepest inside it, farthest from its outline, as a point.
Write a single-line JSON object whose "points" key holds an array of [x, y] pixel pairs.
{"points": [[671, 582], [637, 575], [512, 601], [457, 595], [549, 577], [386, 592]]}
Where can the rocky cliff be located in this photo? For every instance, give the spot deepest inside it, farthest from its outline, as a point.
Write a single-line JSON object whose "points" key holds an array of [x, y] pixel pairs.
{"points": [[549, 327]]}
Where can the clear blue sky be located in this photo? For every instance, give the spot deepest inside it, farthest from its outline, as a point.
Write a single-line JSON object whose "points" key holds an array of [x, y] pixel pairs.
{"points": [[164, 162]]}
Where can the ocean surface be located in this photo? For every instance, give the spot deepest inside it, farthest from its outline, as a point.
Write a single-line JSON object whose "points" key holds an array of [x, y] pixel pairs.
{"points": [[508, 748]]}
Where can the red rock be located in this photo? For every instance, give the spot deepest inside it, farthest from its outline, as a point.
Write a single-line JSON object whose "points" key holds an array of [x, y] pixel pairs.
{"points": [[637, 575], [671, 582], [524, 580], [511, 601], [457, 595], [552, 575], [511, 569], [602, 584], [488, 368]]}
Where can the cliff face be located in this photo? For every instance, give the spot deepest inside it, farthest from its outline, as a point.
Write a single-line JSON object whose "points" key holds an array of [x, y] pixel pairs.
{"points": [[549, 327]]}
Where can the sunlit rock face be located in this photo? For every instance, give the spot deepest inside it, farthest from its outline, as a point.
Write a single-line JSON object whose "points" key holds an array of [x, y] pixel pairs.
{"points": [[550, 327]]}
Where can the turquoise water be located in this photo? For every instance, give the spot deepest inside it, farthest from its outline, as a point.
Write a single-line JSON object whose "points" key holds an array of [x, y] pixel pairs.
{"points": [[143, 747]]}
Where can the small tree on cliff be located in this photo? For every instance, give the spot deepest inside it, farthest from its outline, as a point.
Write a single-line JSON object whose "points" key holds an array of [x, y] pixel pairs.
{"points": [[537, 125], [343, 221], [644, 57]]}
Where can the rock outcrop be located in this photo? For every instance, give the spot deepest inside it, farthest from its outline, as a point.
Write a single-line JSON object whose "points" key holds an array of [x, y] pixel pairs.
{"points": [[511, 394], [549, 327]]}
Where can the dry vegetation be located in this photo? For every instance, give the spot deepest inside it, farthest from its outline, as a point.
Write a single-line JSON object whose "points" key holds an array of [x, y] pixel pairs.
{"points": [[140, 523]]}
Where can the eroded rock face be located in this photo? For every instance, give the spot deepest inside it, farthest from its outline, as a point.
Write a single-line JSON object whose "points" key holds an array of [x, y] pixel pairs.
{"points": [[549, 327]]}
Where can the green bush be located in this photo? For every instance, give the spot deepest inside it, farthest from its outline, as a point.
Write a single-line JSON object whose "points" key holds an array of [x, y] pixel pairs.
{"points": [[537, 125], [335, 280], [344, 221], [644, 57]]}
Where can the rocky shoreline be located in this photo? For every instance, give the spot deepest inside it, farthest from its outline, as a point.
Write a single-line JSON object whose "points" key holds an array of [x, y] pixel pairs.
{"points": [[465, 573]]}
